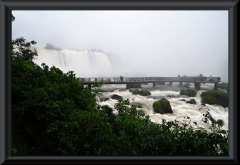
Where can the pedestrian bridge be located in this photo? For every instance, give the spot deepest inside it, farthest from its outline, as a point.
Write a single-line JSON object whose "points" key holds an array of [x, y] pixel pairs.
{"points": [[155, 80]]}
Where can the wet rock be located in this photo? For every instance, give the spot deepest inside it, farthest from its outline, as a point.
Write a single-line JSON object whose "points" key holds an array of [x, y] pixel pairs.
{"points": [[104, 98], [156, 97], [182, 100], [116, 97], [136, 104], [170, 96], [185, 96], [203, 105], [162, 106]]}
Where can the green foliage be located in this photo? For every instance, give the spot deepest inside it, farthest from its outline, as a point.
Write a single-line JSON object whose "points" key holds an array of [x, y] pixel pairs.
{"points": [[135, 91], [145, 92], [21, 49], [138, 135], [197, 141], [132, 129], [85, 133], [192, 101], [215, 97], [162, 106], [223, 85], [157, 107], [141, 92], [135, 85], [188, 92], [43, 97]]}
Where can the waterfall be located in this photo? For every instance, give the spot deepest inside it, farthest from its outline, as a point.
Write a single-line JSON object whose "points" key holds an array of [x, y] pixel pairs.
{"points": [[84, 63]]}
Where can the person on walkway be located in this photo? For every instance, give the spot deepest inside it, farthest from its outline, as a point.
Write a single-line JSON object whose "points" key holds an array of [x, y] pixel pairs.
{"points": [[201, 75], [121, 78]]}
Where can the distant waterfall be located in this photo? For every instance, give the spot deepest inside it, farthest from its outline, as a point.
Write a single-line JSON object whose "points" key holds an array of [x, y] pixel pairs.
{"points": [[84, 63]]}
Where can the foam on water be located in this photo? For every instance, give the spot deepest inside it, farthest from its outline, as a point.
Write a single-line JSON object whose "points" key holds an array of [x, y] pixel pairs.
{"points": [[180, 108]]}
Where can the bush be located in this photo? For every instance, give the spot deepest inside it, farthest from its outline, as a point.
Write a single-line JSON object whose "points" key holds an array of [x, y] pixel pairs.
{"points": [[223, 86], [192, 101], [157, 107], [135, 91], [162, 106], [215, 97], [188, 92], [84, 134], [141, 92], [145, 93], [43, 99]]}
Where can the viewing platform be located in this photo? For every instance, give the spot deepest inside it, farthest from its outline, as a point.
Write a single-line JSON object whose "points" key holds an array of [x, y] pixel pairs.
{"points": [[155, 80]]}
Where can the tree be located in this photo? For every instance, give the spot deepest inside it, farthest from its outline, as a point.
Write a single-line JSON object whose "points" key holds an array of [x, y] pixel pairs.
{"points": [[43, 98], [21, 48]]}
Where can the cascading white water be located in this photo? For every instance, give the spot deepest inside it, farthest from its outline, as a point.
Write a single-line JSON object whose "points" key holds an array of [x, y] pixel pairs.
{"points": [[87, 63], [84, 63], [180, 108]]}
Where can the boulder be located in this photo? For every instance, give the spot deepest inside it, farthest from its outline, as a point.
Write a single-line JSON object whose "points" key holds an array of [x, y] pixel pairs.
{"points": [[182, 100], [116, 97], [156, 97], [185, 96], [192, 101], [162, 106], [137, 104], [104, 98]]}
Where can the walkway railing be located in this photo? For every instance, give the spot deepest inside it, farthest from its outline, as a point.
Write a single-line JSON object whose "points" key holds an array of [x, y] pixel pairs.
{"points": [[151, 79]]}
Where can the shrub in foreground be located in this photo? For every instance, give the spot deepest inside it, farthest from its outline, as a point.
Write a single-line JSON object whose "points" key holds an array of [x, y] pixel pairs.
{"points": [[43, 99]]}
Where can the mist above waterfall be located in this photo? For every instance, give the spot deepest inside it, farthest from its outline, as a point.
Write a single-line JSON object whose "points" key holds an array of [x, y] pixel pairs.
{"points": [[84, 63], [144, 43], [87, 63]]}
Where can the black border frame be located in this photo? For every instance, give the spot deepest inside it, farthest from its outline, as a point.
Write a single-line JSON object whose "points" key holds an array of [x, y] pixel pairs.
{"points": [[6, 6]]}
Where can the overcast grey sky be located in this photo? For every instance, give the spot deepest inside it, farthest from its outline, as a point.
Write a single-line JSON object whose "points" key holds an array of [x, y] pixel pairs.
{"points": [[151, 43]]}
